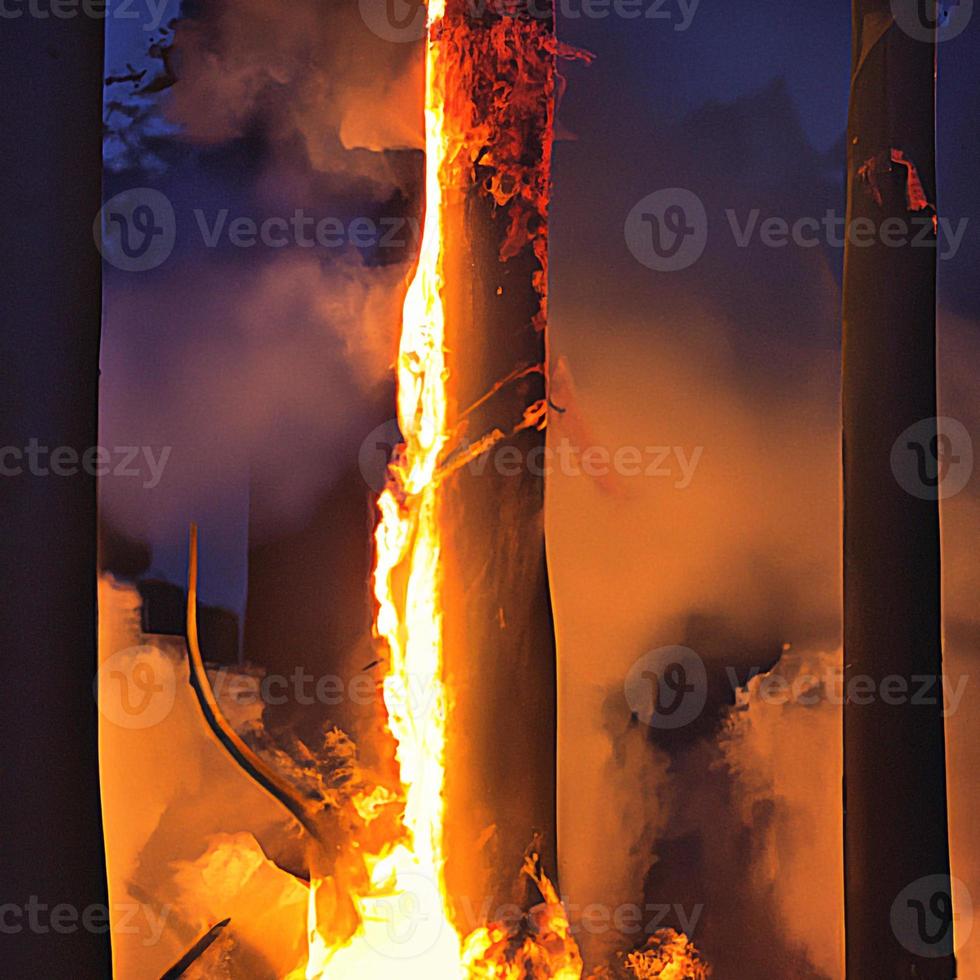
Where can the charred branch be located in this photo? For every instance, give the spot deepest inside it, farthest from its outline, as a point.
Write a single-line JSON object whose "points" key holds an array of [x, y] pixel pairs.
{"points": [[196, 951]]}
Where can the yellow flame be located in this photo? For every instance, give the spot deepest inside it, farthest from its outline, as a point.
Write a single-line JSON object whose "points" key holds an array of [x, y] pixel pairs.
{"points": [[406, 928]]}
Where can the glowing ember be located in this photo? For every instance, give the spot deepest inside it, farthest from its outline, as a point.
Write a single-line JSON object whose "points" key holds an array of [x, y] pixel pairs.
{"points": [[668, 955]]}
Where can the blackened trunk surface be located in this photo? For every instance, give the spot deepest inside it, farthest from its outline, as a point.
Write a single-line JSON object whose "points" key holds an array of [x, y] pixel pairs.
{"points": [[499, 636], [894, 754], [52, 832]]}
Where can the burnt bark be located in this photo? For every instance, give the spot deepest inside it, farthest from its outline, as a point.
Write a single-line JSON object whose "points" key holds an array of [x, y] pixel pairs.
{"points": [[52, 839], [895, 825], [499, 634]]}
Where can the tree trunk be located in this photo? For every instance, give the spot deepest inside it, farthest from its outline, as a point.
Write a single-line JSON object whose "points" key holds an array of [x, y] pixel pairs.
{"points": [[499, 636], [52, 836], [898, 905]]}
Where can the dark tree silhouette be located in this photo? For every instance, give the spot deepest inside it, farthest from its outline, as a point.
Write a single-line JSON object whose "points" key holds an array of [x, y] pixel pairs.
{"points": [[52, 844], [894, 754]]}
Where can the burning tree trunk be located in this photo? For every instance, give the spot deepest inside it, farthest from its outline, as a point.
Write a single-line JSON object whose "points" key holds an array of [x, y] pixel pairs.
{"points": [[52, 835], [499, 639], [898, 902]]}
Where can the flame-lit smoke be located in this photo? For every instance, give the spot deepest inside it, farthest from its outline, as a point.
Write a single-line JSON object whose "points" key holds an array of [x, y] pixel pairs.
{"points": [[381, 906]]}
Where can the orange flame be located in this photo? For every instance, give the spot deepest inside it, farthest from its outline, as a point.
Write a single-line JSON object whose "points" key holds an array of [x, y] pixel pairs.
{"points": [[403, 905], [405, 921]]}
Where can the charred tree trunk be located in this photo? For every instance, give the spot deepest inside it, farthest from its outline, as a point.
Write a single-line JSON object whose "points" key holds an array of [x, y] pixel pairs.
{"points": [[52, 831], [499, 637], [897, 889]]}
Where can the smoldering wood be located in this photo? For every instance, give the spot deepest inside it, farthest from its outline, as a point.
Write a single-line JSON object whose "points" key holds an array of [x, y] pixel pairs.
{"points": [[895, 825], [52, 840]]}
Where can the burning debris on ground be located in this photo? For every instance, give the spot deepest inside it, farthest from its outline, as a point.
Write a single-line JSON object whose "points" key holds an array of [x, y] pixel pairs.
{"points": [[667, 955]]}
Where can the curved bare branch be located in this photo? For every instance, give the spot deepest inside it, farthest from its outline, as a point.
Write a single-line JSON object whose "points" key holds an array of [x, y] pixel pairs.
{"points": [[271, 781]]}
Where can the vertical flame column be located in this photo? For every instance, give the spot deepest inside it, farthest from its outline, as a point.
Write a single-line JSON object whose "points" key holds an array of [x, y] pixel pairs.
{"points": [[499, 637]]}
